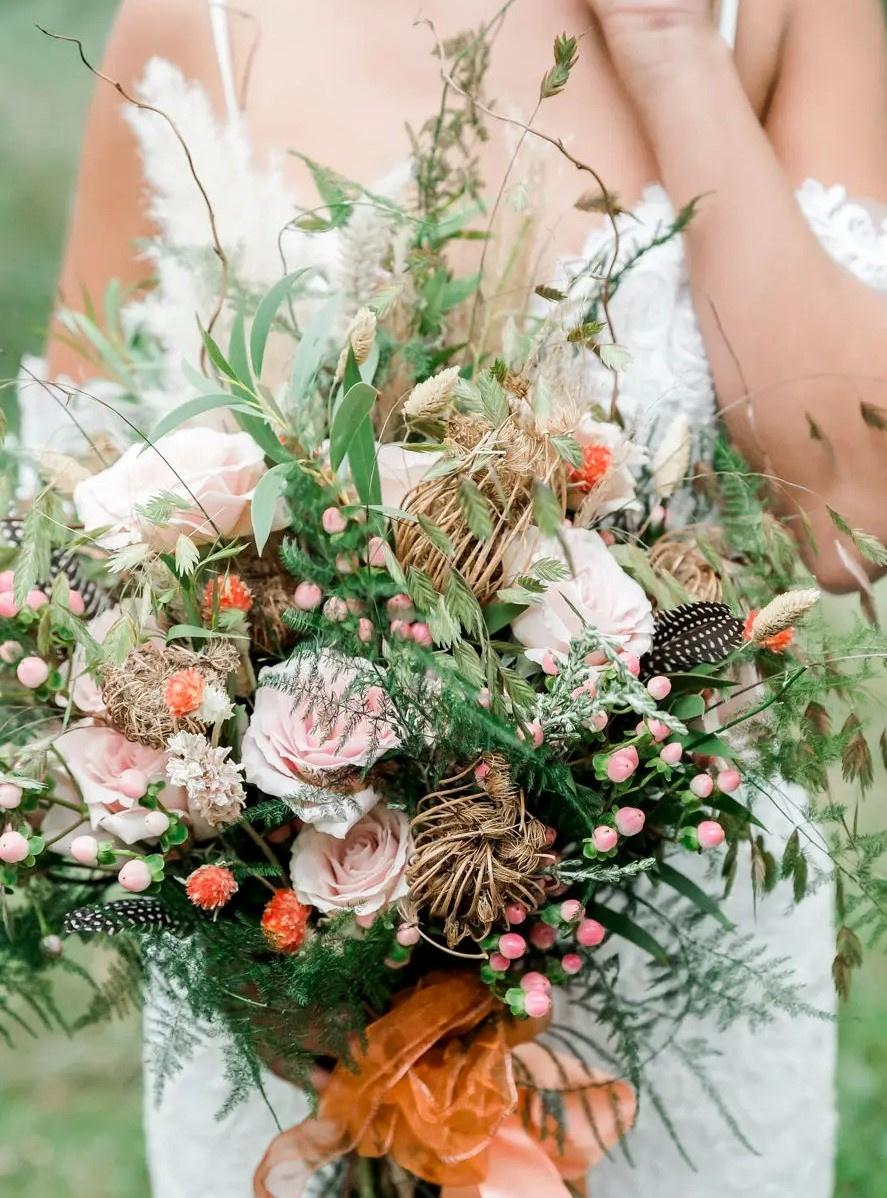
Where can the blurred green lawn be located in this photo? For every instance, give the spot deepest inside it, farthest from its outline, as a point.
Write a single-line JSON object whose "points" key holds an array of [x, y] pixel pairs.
{"points": [[70, 1110]]}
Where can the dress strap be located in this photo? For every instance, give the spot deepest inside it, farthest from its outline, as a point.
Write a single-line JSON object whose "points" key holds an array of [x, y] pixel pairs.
{"points": [[728, 20], [218, 16]]}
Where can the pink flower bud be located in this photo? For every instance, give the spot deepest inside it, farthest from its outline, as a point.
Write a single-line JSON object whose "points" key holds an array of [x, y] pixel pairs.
{"points": [[10, 652], [534, 732], [671, 754], [596, 658], [133, 784], [542, 936], [10, 796], [365, 630], [571, 910], [512, 946], [345, 563], [365, 921], [76, 606], [572, 963], [710, 834], [335, 609], [702, 785], [658, 730], [333, 521], [537, 1004], [622, 764], [516, 913], [535, 981], [9, 609], [499, 963], [400, 605], [630, 821], [632, 664], [421, 634], [308, 596], [729, 780], [604, 838], [659, 688], [135, 876], [376, 552], [483, 696], [590, 933], [7, 580], [13, 848], [407, 935], [32, 672], [549, 664], [600, 721], [156, 823], [35, 599], [481, 771], [85, 849]]}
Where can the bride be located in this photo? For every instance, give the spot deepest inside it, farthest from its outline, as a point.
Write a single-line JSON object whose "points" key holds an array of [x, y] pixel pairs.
{"points": [[774, 112]]}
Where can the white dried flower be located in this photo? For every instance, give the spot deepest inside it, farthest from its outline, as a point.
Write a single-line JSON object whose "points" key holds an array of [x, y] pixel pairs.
{"points": [[671, 460], [782, 613], [215, 705], [213, 784], [429, 398], [360, 338]]}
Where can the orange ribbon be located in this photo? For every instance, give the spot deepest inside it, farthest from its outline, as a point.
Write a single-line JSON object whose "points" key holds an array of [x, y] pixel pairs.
{"points": [[453, 1097]]}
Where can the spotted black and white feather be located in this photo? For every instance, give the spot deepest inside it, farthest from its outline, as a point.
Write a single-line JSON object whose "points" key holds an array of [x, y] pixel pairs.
{"points": [[122, 915], [691, 635], [62, 561]]}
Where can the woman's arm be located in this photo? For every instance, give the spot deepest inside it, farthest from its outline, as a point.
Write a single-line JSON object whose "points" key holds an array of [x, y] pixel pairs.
{"points": [[796, 342], [108, 212]]}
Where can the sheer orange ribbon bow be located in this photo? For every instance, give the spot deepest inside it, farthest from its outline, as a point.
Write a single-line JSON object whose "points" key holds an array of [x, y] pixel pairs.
{"points": [[452, 1097]]}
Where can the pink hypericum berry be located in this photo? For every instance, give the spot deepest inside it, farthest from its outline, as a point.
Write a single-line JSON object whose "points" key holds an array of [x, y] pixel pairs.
{"points": [[365, 630], [590, 933], [710, 834], [632, 664], [407, 935], [533, 732], [512, 946], [335, 609], [365, 921], [604, 838], [549, 664], [8, 606], [535, 981], [76, 606], [537, 1004], [10, 652], [483, 696], [308, 596], [542, 936], [32, 672], [421, 634], [659, 687], [550, 836], [516, 914], [499, 963], [630, 821], [133, 784], [400, 605], [622, 764], [346, 563], [333, 521], [376, 552], [596, 658], [572, 963], [13, 848], [135, 876], [571, 910], [7, 580], [600, 721], [35, 599], [156, 823], [729, 780], [84, 849], [10, 796], [702, 785], [658, 730], [671, 754]]}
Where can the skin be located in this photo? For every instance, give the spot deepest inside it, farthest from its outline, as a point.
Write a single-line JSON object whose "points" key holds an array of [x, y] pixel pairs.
{"points": [[792, 337]]}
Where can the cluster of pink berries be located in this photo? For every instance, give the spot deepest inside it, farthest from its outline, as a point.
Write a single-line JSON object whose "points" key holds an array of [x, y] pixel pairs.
{"points": [[19, 848], [527, 992], [32, 672], [136, 873], [405, 940]]}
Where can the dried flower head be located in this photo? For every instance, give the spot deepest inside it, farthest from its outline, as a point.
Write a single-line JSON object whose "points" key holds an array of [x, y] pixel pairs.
{"points": [[212, 782], [210, 887], [671, 461], [431, 397], [226, 594], [779, 618], [184, 692], [359, 339], [285, 921]]}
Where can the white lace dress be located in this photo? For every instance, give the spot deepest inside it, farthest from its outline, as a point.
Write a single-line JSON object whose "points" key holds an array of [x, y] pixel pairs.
{"points": [[777, 1081]]}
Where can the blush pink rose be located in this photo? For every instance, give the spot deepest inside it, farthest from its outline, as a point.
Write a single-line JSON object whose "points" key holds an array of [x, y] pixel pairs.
{"points": [[85, 691], [401, 469], [599, 595], [96, 757], [215, 474], [363, 873], [317, 720]]}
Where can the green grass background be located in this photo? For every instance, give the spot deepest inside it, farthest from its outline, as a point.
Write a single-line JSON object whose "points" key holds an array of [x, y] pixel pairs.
{"points": [[70, 1110]]}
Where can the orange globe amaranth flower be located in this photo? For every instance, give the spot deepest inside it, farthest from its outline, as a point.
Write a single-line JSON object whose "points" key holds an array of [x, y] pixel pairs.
{"points": [[184, 692], [776, 644], [226, 594], [596, 461], [285, 922], [210, 887]]}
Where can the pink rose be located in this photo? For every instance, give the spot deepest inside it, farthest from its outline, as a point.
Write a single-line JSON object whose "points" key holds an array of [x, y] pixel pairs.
{"points": [[96, 758], [214, 473], [400, 470], [599, 595], [319, 720], [363, 873], [85, 691]]}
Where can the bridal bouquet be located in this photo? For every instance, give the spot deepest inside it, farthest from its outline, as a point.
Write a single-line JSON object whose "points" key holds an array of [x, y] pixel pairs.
{"points": [[404, 700]]}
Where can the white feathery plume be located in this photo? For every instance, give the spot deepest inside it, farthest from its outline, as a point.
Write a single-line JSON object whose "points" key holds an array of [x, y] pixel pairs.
{"points": [[782, 613], [429, 398], [360, 338], [671, 461]]}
